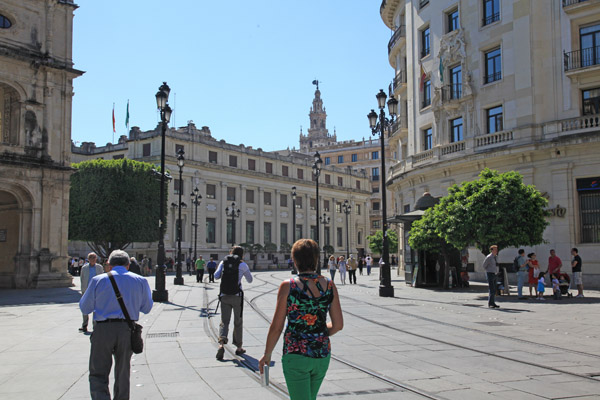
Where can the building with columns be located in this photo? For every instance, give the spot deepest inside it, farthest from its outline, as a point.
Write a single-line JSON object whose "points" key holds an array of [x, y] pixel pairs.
{"points": [[258, 182], [504, 84], [36, 89]]}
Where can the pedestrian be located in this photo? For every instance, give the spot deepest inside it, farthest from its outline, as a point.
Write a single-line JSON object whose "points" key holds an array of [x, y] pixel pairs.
{"points": [[231, 271], [145, 266], [556, 287], [305, 300], [369, 262], [576, 265], [554, 264], [332, 267], [490, 266], [212, 267], [88, 271], [533, 273], [352, 266], [80, 265], [188, 265], [200, 263], [134, 266], [521, 264], [112, 336], [393, 261], [342, 267], [361, 264], [541, 286]]}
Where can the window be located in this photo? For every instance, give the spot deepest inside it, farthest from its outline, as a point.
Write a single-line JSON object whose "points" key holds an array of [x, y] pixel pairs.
{"points": [[179, 147], [283, 200], [328, 179], [406, 208], [178, 186], [251, 164], [358, 184], [283, 233], [5, 22], [146, 149], [338, 207], [591, 101], [211, 191], [10, 110], [267, 198], [326, 205], [269, 168], [299, 233], [375, 206], [211, 236], [491, 11], [456, 128], [118, 157], [588, 190], [298, 202], [249, 231], [426, 93], [340, 159], [357, 208], [267, 232], [375, 189], [423, 3], [427, 139], [493, 66], [494, 119], [230, 231], [375, 174], [313, 203], [354, 157], [374, 155], [452, 20], [284, 170], [376, 224], [233, 161], [327, 235], [589, 37], [249, 196], [359, 237], [339, 237], [456, 82], [327, 160], [340, 181], [425, 44], [212, 157], [230, 194], [300, 173]]}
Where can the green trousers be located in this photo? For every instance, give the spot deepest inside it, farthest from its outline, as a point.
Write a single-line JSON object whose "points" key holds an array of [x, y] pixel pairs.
{"points": [[304, 375]]}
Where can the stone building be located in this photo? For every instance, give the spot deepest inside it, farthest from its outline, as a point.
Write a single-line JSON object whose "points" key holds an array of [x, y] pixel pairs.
{"points": [[509, 85], [258, 182], [36, 89]]}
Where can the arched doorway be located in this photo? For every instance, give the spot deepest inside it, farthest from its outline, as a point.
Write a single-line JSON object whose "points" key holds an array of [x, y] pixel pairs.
{"points": [[10, 232]]}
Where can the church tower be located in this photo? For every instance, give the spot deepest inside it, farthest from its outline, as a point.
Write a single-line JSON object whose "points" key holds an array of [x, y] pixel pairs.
{"points": [[318, 135]]}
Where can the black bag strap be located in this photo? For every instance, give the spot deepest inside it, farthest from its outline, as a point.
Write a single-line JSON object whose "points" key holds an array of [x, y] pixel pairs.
{"points": [[120, 299]]}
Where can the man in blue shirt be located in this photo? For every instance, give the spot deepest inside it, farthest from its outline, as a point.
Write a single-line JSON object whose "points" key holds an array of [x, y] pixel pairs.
{"points": [[112, 336], [212, 267]]}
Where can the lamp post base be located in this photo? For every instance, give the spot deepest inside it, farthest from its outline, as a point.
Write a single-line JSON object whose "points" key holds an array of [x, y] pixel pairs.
{"points": [[386, 291], [160, 296], [178, 280]]}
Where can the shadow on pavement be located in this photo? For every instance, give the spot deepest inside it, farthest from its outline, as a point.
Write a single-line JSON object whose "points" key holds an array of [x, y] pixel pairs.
{"points": [[22, 297]]}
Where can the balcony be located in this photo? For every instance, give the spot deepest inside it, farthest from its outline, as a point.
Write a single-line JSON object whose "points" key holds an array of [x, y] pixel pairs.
{"points": [[388, 11], [572, 6], [567, 3], [582, 60], [591, 106], [398, 84], [451, 92], [398, 36], [401, 123]]}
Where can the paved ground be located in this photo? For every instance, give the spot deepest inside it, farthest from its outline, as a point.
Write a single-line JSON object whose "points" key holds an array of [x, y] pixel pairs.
{"points": [[423, 343]]}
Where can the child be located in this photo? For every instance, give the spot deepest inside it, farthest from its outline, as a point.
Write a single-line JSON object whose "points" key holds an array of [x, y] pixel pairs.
{"points": [[556, 287], [541, 287]]}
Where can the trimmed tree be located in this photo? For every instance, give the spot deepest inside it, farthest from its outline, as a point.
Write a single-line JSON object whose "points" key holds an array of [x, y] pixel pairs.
{"points": [[376, 242], [114, 203]]}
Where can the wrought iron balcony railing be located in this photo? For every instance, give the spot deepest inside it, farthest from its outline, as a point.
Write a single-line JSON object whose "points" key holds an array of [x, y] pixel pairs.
{"points": [[490, 19], [398, 33], [567, 3], [451, 92], [582, 58]]}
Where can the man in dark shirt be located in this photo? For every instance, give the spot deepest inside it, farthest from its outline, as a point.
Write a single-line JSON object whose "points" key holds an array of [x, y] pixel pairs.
{"points": [[212, 267], [576, 265]]}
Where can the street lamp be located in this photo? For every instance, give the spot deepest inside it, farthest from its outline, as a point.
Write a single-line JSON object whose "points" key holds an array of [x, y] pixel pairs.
{"points": [[293, 214], [196, 198], [317, 165], [160, 294], [180, 161], [324, 219], [233, 213], [378, 127], [346, 209]]}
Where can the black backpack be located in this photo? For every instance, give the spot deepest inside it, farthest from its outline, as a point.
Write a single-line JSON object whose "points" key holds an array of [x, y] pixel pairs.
{"points": [[516, 263], [230, 276]]}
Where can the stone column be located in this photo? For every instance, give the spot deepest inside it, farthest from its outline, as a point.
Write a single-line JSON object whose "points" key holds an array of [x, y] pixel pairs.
{"points": [[261, 217], [277, 212], [243, 213], [222, 219]]}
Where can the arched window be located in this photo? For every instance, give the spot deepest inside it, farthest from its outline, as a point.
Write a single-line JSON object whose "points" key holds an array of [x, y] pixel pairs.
{"points": [[9, 115], [5, 22]]}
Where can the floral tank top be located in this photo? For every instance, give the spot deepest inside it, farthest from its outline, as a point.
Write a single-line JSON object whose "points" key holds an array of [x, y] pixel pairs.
{"points": [[306, 331]]}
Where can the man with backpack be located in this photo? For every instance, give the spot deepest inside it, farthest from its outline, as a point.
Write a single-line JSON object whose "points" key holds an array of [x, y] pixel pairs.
{"points": [[230, 271]]}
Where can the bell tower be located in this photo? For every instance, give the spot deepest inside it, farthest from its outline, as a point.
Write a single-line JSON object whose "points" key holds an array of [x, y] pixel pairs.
{"points": [[318, 135]]}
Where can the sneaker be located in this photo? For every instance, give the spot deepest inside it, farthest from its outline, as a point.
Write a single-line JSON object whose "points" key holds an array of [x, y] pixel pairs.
{"points": [[83, 329], [240, 351], [220, 353], [541, 298], [579, 296]]}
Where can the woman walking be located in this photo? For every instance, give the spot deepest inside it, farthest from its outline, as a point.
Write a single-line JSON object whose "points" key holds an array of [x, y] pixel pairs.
{"points": [[342, 266], [534, 272], [332, 267], [305, 300]]}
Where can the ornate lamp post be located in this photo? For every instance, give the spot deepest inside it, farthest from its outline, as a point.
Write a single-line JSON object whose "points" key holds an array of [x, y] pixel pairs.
{"points": [[347, 209], [293, 214], [196, 199], [233, 213], [317, 165], [160, 294], [324, 219], [378, 127], [180, 161]]}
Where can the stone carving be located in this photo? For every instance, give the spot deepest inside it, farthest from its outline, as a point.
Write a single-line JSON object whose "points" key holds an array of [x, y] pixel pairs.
{"points": [[299, 215], [250, 211], [211, 207], [284, 214], [268, 213], [452, 47]]}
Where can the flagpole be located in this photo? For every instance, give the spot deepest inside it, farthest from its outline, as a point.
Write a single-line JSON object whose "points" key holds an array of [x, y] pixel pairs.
{"points": [[113, 121]]}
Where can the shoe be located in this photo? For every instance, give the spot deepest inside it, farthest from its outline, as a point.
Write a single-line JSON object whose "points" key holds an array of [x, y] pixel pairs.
{"points": [[541, 298], [83, 329], [240, 351], [579, 296], [220, 353]]}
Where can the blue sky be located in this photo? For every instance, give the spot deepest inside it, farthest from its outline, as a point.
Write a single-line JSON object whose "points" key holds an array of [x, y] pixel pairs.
{"points": [[242, 68]]}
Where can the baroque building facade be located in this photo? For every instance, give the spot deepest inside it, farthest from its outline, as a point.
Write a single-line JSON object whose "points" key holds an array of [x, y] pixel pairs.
{"points": [[36, 89], [504, 84], [258, 182]]}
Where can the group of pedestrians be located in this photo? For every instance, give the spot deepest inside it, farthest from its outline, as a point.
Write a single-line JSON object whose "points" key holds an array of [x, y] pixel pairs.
{"points": [[348, 267]]}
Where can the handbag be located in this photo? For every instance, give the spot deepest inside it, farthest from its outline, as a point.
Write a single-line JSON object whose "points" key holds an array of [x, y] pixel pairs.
{"points": [[536, 272], [137, 343]]}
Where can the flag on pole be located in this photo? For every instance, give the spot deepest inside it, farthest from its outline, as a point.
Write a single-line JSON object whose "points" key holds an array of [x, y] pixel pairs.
{"points": [[113, 115], [423, 76], [441, 70], [127, 116]]}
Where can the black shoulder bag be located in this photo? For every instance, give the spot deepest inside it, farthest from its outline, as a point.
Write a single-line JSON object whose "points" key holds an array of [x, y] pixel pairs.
{"points": [[137, 343]]}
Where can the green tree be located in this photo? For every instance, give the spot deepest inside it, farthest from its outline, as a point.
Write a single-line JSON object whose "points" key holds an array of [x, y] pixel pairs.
{"points": [[285, 247], [253, 249], [114, 203], [376, 241], [270, 248], [498, 208]]}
